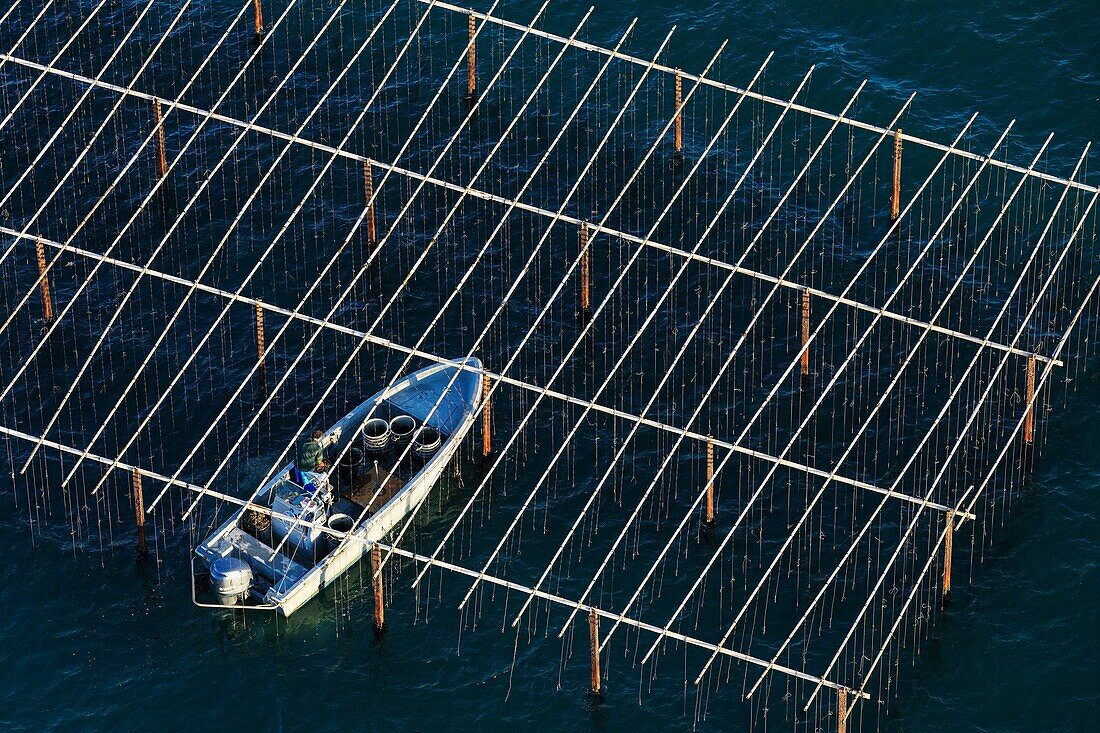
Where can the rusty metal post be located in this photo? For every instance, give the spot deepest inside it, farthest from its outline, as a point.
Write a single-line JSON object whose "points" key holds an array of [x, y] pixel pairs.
{"points": [[594, 642], [486, 418], [259, 13], [368, 183], [948, 551], [471, 62], [805, 332], [261, 346], [842, 710], [710, 480], [139, 517], [586, 300], [376, 586], [679, 95], [44, 276], [162, 151], [895, 199], [1029, 418]]}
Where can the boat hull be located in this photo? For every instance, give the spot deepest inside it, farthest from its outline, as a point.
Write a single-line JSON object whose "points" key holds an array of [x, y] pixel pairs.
{"points": [[296, 585]]}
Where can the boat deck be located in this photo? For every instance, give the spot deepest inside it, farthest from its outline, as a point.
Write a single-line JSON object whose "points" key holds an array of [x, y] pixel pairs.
{"points": [[281, 571], [370, 490]]}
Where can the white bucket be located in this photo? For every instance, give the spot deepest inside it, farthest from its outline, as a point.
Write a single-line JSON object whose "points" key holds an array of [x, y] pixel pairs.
{"points": [[402, 427], [340, 522], [351, 463], [376, 434], [427, 441]]}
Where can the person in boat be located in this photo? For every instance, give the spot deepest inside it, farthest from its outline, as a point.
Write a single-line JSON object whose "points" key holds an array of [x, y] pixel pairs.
{"points": [[311, 453], [311, 457]]}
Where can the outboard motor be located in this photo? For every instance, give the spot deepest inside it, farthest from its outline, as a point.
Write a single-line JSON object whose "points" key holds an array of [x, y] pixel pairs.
{"points": [[230, 578]]}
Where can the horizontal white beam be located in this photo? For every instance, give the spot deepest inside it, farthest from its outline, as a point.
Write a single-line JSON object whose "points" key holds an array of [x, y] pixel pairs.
{"points": [[416, 557], [765, 98], [486, 196], [496, 377]]}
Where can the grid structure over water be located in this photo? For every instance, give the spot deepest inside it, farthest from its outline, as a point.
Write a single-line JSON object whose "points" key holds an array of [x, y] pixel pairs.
{"points": [[757, 372]]}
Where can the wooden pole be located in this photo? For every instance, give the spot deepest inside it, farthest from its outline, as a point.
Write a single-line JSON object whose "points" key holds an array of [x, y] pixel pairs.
{"points": [[376, 586], [594, 642], [1029, 418], [471, 62], [261, 347], [139, 517], [259, 12], [44, 284], [805, 332], [486, 419], [948, 551], [710, 480], [162, 152], [586, 300], [368, 183], [895, 199], [842, 711], [679, 113]]}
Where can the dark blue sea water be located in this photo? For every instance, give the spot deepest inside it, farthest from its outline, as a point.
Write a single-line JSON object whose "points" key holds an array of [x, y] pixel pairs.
{"points": [[89, 642]]}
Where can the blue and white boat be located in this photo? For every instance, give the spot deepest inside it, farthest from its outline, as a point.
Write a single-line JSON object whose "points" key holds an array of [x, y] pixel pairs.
{"points": [[388, 453]]}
